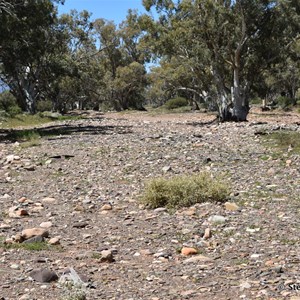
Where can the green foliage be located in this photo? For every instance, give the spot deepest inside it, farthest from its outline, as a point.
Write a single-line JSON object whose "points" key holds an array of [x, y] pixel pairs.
{"points": [[37, 246], [27, 37], [256, 100], [26, 135], [129, 85], [26, 120], [285, 102], [176, 103], [183, 191], [213, 46], [72, 292], [284, 140], [9, 104], [44, 105]]}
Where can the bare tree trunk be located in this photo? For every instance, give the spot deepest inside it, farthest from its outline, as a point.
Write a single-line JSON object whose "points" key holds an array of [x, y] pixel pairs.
{"points": [[240, 106]]}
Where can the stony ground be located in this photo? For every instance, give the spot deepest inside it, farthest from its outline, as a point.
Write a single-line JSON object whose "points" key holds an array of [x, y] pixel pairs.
{"points": [[83, 186]]}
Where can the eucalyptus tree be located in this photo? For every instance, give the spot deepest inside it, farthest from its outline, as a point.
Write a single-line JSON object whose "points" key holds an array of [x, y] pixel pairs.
{"points": [[228, 43], [80, 81], [123, 62], [26, 37]]}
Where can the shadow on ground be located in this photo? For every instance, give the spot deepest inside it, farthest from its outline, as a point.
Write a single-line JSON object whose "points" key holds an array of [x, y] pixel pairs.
{"points": [[13, 135]]}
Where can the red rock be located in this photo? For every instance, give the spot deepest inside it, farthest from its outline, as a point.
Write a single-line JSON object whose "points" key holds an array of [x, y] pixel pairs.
{"points": [[22, 212], [207, 233], [188, 251], [231, 206], [31, 232], [22, 200]]}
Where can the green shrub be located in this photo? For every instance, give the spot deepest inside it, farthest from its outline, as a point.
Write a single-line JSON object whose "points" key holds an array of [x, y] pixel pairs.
{"points": [[9, 104], [256, 100], [14, 110], [184, 191], [45, 105], [285, 102], [176, 102], [282, 140]]}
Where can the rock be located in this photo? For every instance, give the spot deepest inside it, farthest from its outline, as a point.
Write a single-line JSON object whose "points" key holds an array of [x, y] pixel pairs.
{"points": [[80, 224], [54, 241], [25, 297], [188, 251], [4, 226], [9, 241], [43, 275], [216, 219], [188, 293], [271, 172], [5, 196], [49, 200], [269, 263], [146, 252], [46, 224], [255, 256], [288, 163], [22, 212], [106, 206], [22, 200], [166, 169], [197, 258], [34, 239], [31, 232], [162, 254], [160, 209], [18, 238], [29, 168], [207, 233], [107, 256], [245, 285], [48, 162], [15, 267], [79, 208], [72, 275], [189, 212], [207, 160], [12, 212], [231, 206], [11, 158], [252, 230]]}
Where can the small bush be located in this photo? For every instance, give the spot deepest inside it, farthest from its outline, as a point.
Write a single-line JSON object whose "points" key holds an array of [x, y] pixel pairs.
{"points": [[36, 246], [176, 102], [184, 191], [14, 110], [282, 140], [285, 102], [9, 104], [45, 105], [256, 100]]}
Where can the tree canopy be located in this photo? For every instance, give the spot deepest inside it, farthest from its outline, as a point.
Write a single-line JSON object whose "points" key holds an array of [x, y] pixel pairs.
{"points": [[219, 54]]}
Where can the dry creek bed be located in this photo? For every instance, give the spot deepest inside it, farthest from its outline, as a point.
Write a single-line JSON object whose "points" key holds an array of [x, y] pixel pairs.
{"points": [[94, 173]]}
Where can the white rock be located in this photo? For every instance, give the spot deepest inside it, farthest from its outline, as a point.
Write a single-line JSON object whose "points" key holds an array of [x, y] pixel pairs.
{"points": [[217, 219], [252, 230], [10, 158], [49, 200], [46, 224], [245, 285], [15, 267]]}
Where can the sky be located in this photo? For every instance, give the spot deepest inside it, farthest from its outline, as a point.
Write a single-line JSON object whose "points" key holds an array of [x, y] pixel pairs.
{"points": [[115, 10]]}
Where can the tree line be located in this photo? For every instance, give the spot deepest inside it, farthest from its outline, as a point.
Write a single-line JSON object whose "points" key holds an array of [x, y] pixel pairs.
{"points": [[217, 54]]}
